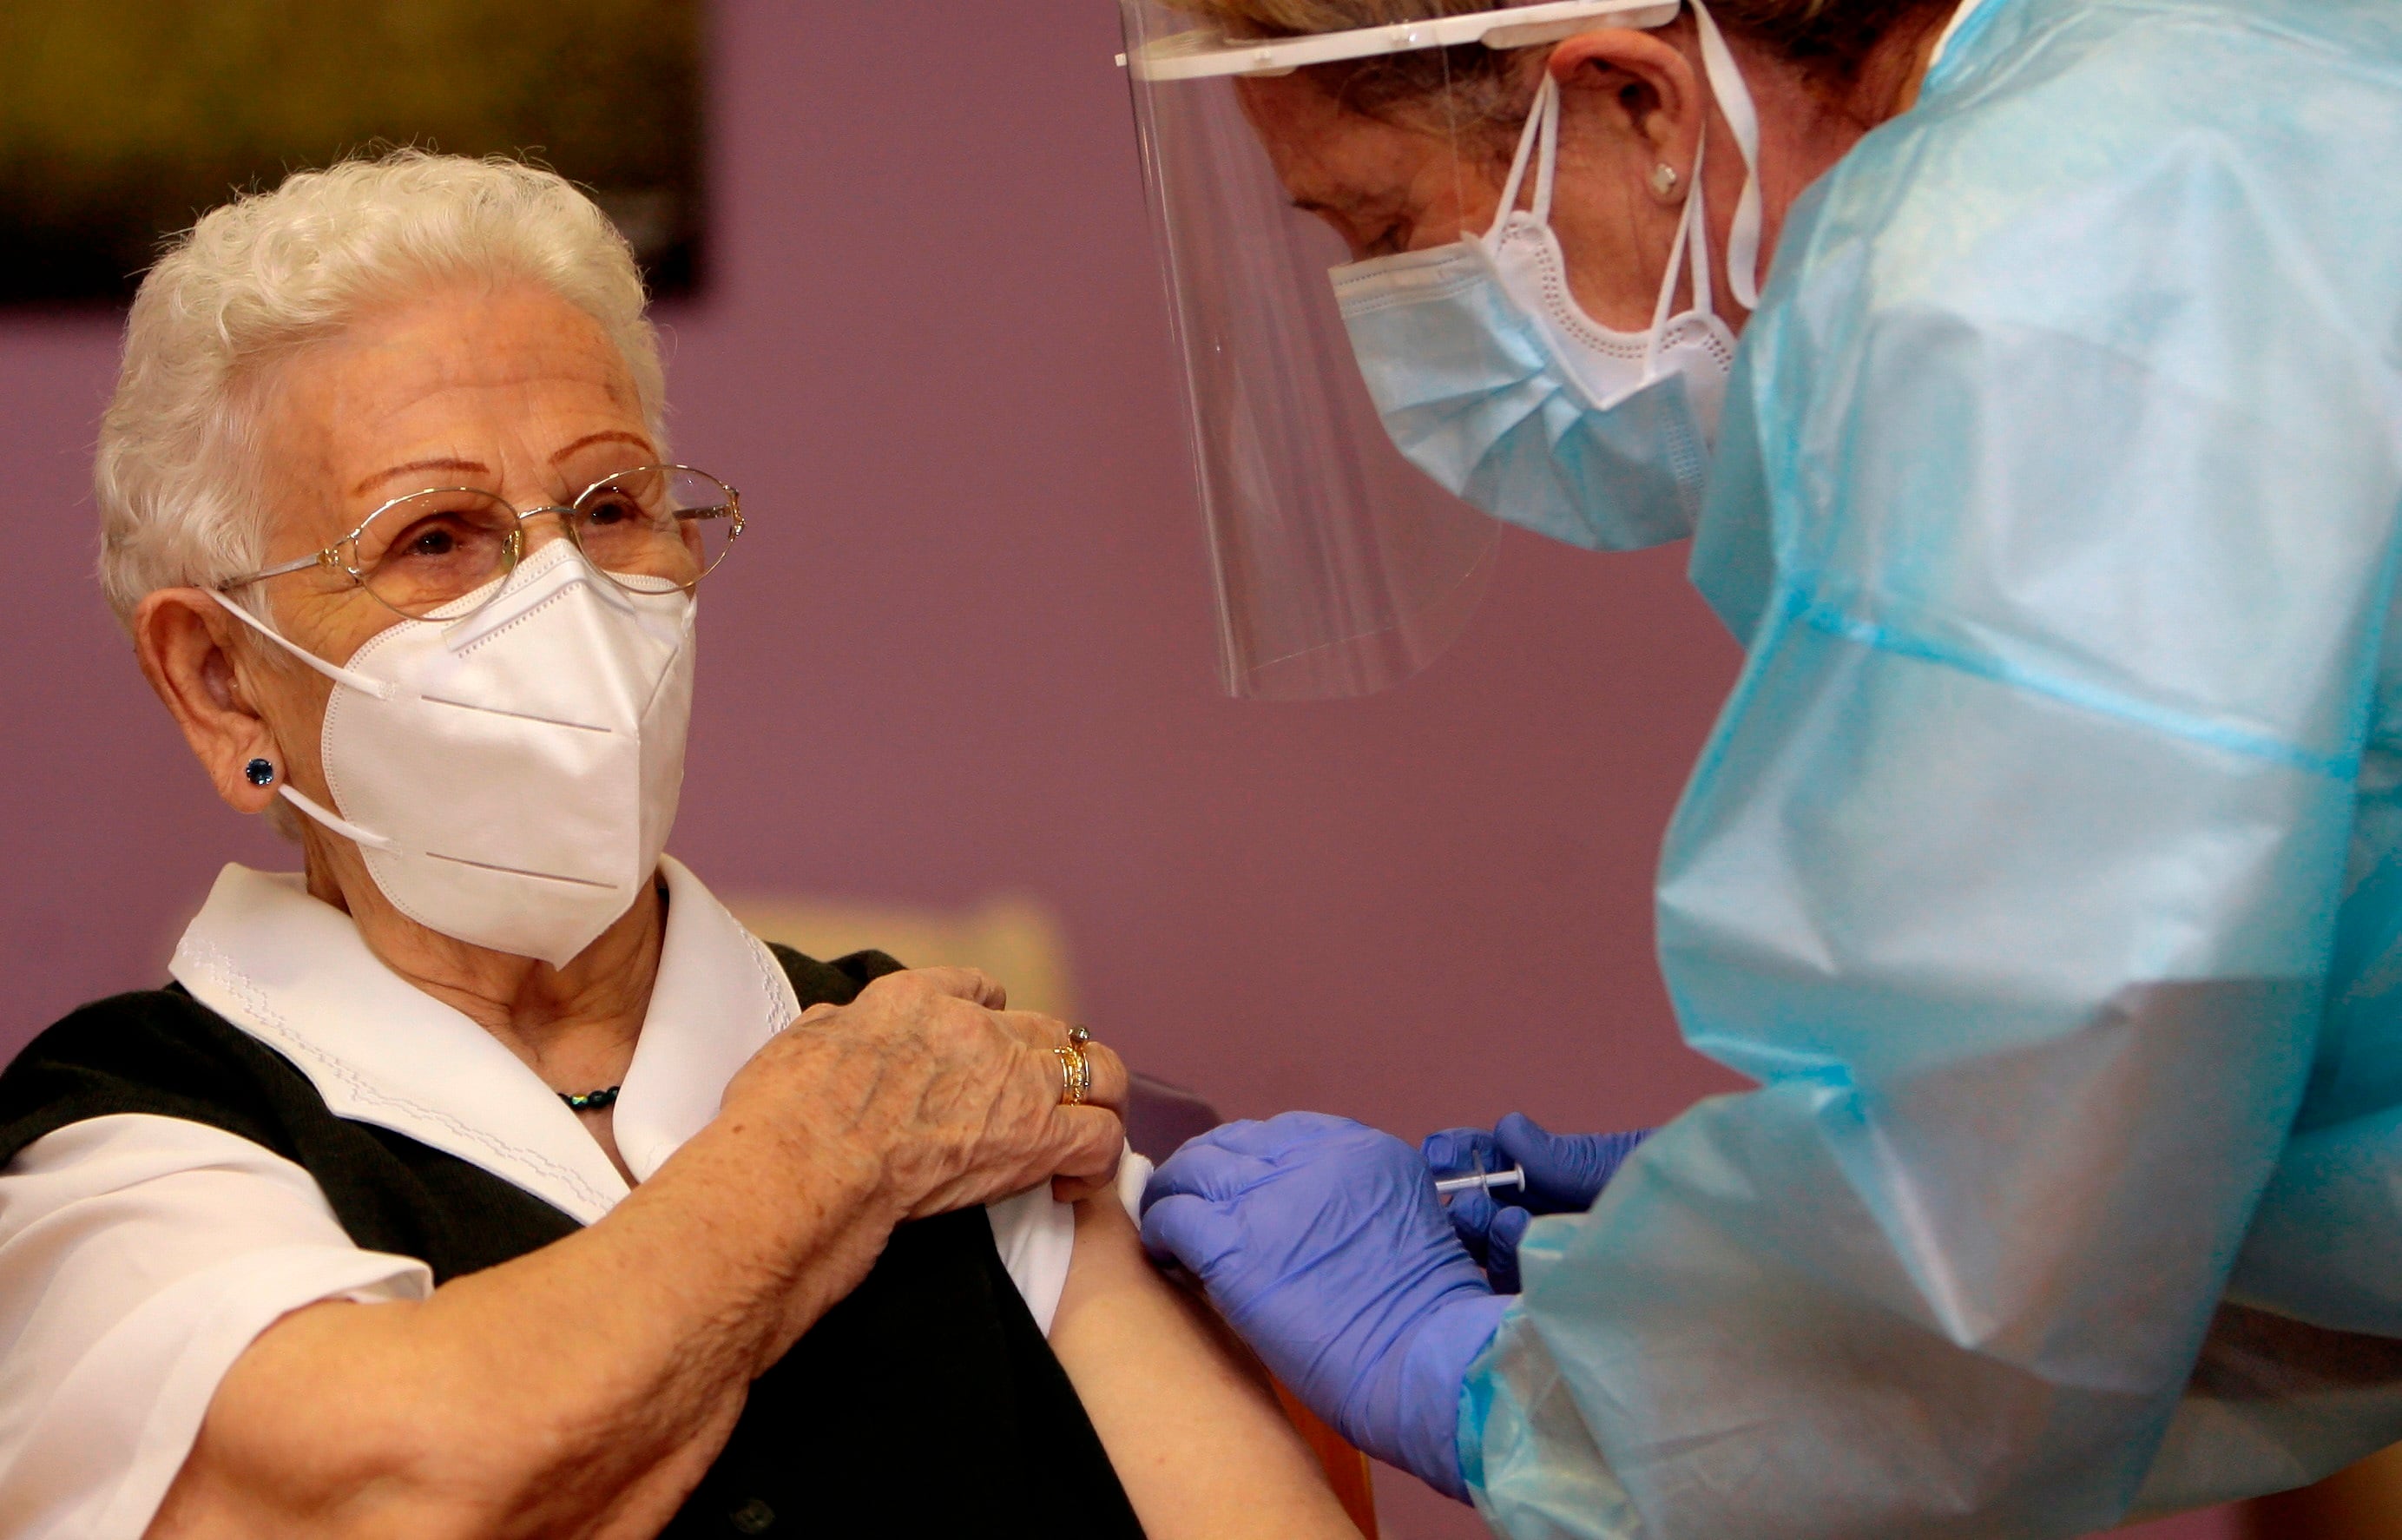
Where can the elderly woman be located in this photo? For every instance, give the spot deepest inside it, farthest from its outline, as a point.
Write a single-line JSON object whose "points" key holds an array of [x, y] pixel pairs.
{"points": [[489, 1179]]}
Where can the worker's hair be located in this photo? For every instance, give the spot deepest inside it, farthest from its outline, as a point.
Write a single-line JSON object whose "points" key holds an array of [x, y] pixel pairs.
{"points": [[1828, 39], [177, 473]]}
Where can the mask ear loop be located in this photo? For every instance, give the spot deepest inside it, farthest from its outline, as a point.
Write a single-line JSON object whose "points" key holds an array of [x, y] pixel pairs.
{"points": [[381, 689], [1542, 125], [1697, 234], [1690, 238], [1742, 120], [1547, 177], [1543, 131], [336, 823]]}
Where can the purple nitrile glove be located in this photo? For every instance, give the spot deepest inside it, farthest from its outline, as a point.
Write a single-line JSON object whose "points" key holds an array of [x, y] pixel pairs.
{"points": [[1565, 1174], [1322, 1242]]}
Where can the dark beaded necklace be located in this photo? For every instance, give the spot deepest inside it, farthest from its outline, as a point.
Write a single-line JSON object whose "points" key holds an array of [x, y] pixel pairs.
{"points": [[591, 1101]]}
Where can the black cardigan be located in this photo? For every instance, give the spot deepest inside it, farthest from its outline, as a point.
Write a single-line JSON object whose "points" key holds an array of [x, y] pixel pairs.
{"points": [[927, 1403]]}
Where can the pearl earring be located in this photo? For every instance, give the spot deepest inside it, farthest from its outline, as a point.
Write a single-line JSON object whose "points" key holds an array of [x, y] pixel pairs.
{"points": [[1663, 179], [259, 772]]}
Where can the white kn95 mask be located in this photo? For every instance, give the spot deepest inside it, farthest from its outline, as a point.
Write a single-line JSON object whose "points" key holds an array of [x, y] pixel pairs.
{"points": [[510, 773]]}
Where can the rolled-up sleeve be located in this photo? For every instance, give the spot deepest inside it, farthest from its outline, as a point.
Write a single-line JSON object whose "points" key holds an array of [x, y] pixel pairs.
{"points": [[139, 1256]]}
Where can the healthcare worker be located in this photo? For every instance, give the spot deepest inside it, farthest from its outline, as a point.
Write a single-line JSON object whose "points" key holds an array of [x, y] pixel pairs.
{"points": [[2044, 866]]}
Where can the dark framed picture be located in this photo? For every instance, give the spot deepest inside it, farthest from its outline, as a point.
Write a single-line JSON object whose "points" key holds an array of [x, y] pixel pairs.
{"points": [[122, 120]]}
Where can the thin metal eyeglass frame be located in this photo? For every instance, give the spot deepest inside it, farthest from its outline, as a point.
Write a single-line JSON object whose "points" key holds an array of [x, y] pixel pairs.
{"points": [[331, 556]]}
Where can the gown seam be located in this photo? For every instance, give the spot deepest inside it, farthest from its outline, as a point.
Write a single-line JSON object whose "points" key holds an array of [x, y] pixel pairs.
{"points": [[1829, 620]]}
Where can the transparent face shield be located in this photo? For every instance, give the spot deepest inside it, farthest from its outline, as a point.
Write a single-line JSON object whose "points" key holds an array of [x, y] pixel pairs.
{"points": [[1340, 567]]}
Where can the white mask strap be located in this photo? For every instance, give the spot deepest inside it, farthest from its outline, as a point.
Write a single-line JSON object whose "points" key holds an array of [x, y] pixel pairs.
{"points": [[379, 688], [1542, 126], [1742, 119], [1691, 239], [1697, 234], [338, 824], [1548, 178]]}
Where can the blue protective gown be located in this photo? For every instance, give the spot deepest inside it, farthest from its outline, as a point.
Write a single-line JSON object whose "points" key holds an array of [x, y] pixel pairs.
{"points": [[2046, 865]]}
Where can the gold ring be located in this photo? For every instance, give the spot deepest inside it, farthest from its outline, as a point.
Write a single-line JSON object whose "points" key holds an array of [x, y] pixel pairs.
{"points": [[1075, 1077]]}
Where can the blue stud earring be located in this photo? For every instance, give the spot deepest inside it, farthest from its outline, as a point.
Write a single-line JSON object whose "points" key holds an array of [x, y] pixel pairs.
{"points": [[259, 772]]}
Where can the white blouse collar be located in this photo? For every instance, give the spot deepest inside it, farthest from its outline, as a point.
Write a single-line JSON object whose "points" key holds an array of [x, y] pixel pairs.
{"points": [[295, 973]]}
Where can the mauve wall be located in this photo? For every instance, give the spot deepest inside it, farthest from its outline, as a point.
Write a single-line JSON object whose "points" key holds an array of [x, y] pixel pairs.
{"points": [[968, 650]]}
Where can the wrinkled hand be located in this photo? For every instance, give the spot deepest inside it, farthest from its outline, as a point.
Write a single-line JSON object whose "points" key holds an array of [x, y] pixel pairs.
{"points": [[953, 1097], [1322, 1242], [1565, 1174]]}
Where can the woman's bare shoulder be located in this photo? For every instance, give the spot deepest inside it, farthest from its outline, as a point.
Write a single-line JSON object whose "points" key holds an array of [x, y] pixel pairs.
{"points": [[1186, 1414]]}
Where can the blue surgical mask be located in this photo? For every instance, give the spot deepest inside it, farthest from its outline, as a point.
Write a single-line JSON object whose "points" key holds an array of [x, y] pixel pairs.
{"points": [[1493, 381]]}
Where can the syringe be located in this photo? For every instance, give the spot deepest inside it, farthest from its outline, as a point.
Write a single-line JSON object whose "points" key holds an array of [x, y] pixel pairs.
{"points": [[1487, 1180]]}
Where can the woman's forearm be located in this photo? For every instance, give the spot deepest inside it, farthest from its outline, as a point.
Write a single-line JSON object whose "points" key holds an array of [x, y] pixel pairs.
{"points": [[581, 1390]]}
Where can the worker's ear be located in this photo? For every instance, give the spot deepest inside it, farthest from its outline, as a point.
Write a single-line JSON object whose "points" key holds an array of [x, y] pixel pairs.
{"points": [[1630, 91]]}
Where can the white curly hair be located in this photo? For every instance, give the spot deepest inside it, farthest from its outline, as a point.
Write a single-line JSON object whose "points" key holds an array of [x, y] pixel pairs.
{"points": [[177, 473]]}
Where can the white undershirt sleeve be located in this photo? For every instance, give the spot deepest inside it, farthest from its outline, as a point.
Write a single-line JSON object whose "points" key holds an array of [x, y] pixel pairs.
{"points": [[1037, 1237], [139, 1256]]}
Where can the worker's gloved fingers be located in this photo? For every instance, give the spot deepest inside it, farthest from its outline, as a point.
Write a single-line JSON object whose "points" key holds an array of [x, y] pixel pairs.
{"points": [[1280, 1135], [1472, 1216], [1322, 1242], [1461, 1152], [1185, 1229], [1559, 1176], [1565, 1172], [1207, 1167], [1491, 1232], [1475, 1212], [1235, 1156], [1502, 1238]]}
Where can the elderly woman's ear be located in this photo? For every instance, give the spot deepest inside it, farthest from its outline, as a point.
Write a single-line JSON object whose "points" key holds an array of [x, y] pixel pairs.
{"points": [[208, 673]]}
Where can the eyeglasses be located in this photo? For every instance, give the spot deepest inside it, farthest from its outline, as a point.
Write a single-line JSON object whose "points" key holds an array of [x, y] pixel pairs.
{"points": [[650, 530]]}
